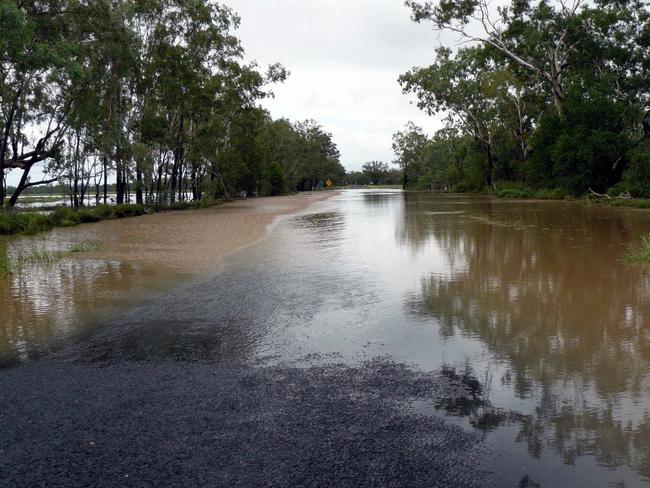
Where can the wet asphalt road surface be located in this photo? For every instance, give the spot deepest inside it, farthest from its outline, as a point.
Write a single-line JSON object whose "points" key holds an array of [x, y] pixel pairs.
{"points": [[153, 423], [174, 392]]}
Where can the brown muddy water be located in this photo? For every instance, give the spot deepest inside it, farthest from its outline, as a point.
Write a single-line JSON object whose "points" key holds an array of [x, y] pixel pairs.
{"points": [[531, 303]]}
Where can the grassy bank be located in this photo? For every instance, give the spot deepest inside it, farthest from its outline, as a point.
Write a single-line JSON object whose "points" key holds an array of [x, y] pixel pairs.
{"points": [[32, 223], [522, 192]]}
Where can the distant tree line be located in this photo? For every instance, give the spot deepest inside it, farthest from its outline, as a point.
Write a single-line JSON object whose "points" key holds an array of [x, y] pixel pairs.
{"points": [[149, 95], [374, 173], [546, 94]]}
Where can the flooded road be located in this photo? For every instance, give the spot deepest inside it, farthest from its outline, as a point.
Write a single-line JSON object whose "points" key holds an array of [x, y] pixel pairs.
{"points": [[528, 306]]}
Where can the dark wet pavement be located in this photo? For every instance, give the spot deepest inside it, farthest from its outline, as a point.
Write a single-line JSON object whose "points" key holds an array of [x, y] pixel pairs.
{"points": [[510, 336], [197, 424]]}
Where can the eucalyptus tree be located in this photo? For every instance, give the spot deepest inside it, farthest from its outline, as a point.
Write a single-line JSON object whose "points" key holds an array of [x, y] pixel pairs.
{"points": [[410, 146], [376, 171], [152, 93], [319, 156], [235, 109], [539, 37], [40, 74], [455, 86], [279, 144], [557, 90]]}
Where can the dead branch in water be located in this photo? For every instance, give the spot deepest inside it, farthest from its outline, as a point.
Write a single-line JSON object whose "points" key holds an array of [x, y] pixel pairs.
{"points": [[600, 195], [623, 196]]}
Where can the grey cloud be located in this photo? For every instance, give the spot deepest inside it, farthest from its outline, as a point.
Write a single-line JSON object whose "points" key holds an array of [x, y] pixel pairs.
{"points": [[345, 58]]}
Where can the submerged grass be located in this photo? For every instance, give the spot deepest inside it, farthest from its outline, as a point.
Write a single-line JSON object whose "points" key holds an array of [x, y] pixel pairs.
{"points": [[640, 254], [41, 256], [643, 203], [5, 267]]}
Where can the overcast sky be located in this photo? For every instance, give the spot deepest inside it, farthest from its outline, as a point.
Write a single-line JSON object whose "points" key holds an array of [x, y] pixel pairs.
{"points": [[344, 57]]}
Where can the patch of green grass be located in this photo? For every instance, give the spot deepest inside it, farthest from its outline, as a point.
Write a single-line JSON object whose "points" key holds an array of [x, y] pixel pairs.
{"points": [[520, 191], [5, 267], [128, 210], [104, 212], [513, 193], [41, 256], [12, 222], [547, 194], [195, 204], [640, 254]]}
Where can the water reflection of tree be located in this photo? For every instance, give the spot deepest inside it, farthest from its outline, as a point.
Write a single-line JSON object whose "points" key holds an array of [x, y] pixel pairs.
{"points": [[543, 288], [571, 431], [43, 302]]}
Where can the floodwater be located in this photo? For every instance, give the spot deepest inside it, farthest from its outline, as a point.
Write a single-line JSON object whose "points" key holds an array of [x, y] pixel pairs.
{"points": [[530, 303]]}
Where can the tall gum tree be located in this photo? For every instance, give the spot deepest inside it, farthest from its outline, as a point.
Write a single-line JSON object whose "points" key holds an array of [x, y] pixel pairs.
{"points": [[455, 86], [39, 76], [541, 38], [590, 60]]}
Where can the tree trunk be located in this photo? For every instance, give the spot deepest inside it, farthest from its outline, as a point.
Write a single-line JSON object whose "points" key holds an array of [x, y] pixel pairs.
{"points": [[75, 192], [178, 159], [195, 190], [119, 181], [3, 191], [138, 187], [20, 188], [488, 152], [105, 180]]}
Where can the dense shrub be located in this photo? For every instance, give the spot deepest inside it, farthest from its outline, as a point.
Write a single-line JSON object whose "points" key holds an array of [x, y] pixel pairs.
{"points": [[128, 210], [104, 212], [513, 193], [547, 194]]}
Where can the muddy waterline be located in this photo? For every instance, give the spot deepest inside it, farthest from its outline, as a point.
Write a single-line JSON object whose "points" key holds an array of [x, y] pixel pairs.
{"points": [[529, 303]]}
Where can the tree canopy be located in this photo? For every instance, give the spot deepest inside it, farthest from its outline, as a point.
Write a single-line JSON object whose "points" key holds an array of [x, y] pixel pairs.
{"points": [[153, 95], [550, 94]]}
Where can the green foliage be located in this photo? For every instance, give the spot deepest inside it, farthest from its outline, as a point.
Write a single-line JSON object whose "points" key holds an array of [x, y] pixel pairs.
{"points": [[636, 180], [578, 150], [376, 173], [128, 210], [514, 193], [410, 146], [273, 183], [547, 194], [32, 223], [153, 95], [41, 256], [640, 253], [521, 191], [104, 212], [551, 97]]}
